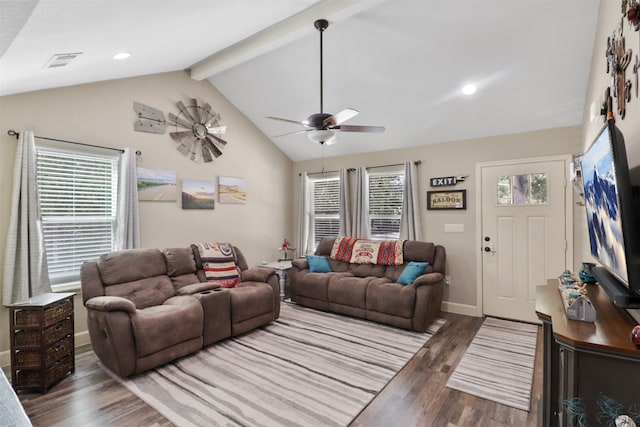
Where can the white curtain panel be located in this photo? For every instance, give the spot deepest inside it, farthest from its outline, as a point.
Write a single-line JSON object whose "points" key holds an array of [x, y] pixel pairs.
{"points": [[25, 262], [346, 228], [127, 231], [361, 227], [303, 215], [410, 226]]}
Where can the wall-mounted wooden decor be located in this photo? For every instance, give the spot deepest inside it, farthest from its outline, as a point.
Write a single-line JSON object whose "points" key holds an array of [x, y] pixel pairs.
{"points": [[618, 59]]}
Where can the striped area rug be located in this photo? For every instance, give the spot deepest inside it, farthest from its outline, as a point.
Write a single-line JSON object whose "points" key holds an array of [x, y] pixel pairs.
{"points": [[307, 368], [498, 365]]}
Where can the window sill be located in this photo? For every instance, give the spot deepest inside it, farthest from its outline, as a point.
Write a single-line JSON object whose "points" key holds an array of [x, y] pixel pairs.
{"points": [[66, 287]]}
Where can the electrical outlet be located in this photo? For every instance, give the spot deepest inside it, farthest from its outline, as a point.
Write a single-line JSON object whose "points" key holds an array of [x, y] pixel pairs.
{"points": [[447, 280]]}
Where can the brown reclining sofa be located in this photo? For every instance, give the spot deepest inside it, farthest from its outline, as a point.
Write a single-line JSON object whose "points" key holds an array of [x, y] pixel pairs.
{"points": [[371, 291]]}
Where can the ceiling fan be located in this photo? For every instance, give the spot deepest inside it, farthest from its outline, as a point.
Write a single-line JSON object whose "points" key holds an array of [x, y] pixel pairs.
{"points": [[322, 127]]}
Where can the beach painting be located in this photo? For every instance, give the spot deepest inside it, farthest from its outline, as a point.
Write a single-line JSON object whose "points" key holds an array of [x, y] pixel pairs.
{"points": [[198, 194], [157, 185], [232, 190]]}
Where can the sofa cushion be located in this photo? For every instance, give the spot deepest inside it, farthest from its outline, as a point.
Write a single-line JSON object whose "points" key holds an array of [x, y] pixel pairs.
{"points": [[411, 271], [391, 298], [155, 328], [144, 292], [249, 300], [318, 264], [179, 261], [367, 270], [131, 264], [349, 291]]}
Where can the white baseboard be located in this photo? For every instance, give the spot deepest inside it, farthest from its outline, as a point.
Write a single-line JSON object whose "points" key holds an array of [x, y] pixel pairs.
{"points": [[454, 307], [81, 338]]}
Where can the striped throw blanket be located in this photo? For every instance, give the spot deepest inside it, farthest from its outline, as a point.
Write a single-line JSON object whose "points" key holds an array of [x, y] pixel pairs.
{"points": [[218, 263], [362, 251]]}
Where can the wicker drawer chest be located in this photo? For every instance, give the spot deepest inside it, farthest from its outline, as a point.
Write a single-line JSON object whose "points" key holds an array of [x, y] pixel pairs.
{"points": [[42, 343]]}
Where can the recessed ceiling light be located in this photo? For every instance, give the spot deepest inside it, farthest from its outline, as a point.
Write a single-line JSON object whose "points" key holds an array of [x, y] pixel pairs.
{"points": [[469, 89], [121, 55]]}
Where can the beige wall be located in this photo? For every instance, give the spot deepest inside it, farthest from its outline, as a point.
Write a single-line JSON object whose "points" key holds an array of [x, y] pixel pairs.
{"points": [[102, 114], [455, 159]]}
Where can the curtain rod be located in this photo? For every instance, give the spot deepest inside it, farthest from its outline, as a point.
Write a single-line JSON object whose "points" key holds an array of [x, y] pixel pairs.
{"points": [[417, 163], [12, 132]]}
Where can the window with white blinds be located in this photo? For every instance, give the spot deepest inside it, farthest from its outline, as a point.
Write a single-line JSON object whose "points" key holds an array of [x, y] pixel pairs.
{"points": [[77, 194], [325, 208], [385, 204]]}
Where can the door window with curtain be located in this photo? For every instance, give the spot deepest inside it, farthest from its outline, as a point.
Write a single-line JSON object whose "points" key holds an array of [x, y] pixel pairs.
{"points": [[385, 203], [325, 208], [77, 193]]}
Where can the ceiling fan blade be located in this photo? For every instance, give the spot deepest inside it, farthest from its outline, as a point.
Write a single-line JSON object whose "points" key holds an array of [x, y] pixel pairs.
{"points": [[286, 120], [356, 128], [290, 133], [341, 117]]}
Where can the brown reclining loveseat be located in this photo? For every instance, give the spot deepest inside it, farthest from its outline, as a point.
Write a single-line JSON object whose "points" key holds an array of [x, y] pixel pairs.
{"points": [[146, 307]]}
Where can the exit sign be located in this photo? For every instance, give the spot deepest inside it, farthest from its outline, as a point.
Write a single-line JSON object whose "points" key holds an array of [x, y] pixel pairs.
{"points": [[444, 181]]}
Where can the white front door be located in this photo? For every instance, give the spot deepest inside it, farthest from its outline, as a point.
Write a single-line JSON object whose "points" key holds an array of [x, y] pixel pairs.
{"points": [[523, 233]]}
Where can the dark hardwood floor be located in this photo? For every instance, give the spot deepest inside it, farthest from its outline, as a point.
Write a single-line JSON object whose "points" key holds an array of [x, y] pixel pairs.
{"points": [[417, 396]]}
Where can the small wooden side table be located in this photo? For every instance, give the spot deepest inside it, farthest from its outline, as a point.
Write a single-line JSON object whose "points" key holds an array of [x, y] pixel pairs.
{"points": [[42, 341], [282, 270]]}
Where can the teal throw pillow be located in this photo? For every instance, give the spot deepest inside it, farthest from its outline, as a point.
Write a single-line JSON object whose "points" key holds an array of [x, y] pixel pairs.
{"points": [[411, 271], [318, 264]]}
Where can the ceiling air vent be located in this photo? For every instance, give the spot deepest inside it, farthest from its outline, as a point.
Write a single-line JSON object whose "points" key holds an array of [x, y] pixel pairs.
{"points": [[61, 59]]}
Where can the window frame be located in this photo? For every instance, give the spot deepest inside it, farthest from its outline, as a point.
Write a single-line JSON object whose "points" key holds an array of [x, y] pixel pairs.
{"points": [[313, 216], [81, 214], [385, 172]]}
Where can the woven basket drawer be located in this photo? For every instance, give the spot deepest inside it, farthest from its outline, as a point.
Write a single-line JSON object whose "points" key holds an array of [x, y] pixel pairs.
{"points": [[51, 335], [53, 353], [51, 314], [53, 374]]}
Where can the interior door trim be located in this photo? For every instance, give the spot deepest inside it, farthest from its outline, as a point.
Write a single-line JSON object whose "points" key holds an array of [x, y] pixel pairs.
{"points": [[568, 207]]}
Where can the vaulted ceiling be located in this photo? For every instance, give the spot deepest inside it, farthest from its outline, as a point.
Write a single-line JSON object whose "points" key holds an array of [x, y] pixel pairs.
{"points": [[401, 63]]}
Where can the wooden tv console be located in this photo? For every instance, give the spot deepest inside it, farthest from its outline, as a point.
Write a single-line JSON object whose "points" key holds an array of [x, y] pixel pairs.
{"points": [[586, 360]]}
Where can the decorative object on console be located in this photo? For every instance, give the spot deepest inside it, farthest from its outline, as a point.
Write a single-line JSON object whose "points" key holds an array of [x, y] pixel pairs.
{"points": [[156, 185], [232, 190], [322, 127], [198, 194], [585, 273], [197, 131]]}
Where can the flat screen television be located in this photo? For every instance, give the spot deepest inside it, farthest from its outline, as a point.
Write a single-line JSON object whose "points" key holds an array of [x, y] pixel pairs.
{"points": [[612, 217]]}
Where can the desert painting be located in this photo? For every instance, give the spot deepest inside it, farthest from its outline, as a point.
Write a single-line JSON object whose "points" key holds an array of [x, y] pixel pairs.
{"points": [[232, 190], [198, 194]]}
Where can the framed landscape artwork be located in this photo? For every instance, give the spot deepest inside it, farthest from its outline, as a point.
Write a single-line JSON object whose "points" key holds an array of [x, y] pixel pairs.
{"points": [[157, 185], [198, 194], [232, 190]]}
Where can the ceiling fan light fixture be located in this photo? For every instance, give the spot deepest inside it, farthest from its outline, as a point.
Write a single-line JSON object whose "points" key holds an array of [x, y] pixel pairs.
{"points": [[321, 136]]}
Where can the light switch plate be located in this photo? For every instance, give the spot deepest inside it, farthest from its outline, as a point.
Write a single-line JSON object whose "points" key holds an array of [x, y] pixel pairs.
{"points": [[454, 228]]}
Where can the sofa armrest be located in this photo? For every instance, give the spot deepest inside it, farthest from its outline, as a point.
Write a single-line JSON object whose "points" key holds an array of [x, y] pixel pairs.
{"points": [[197, 287], [300, 263], [257, 274], [428, 279], [107, 303]]}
